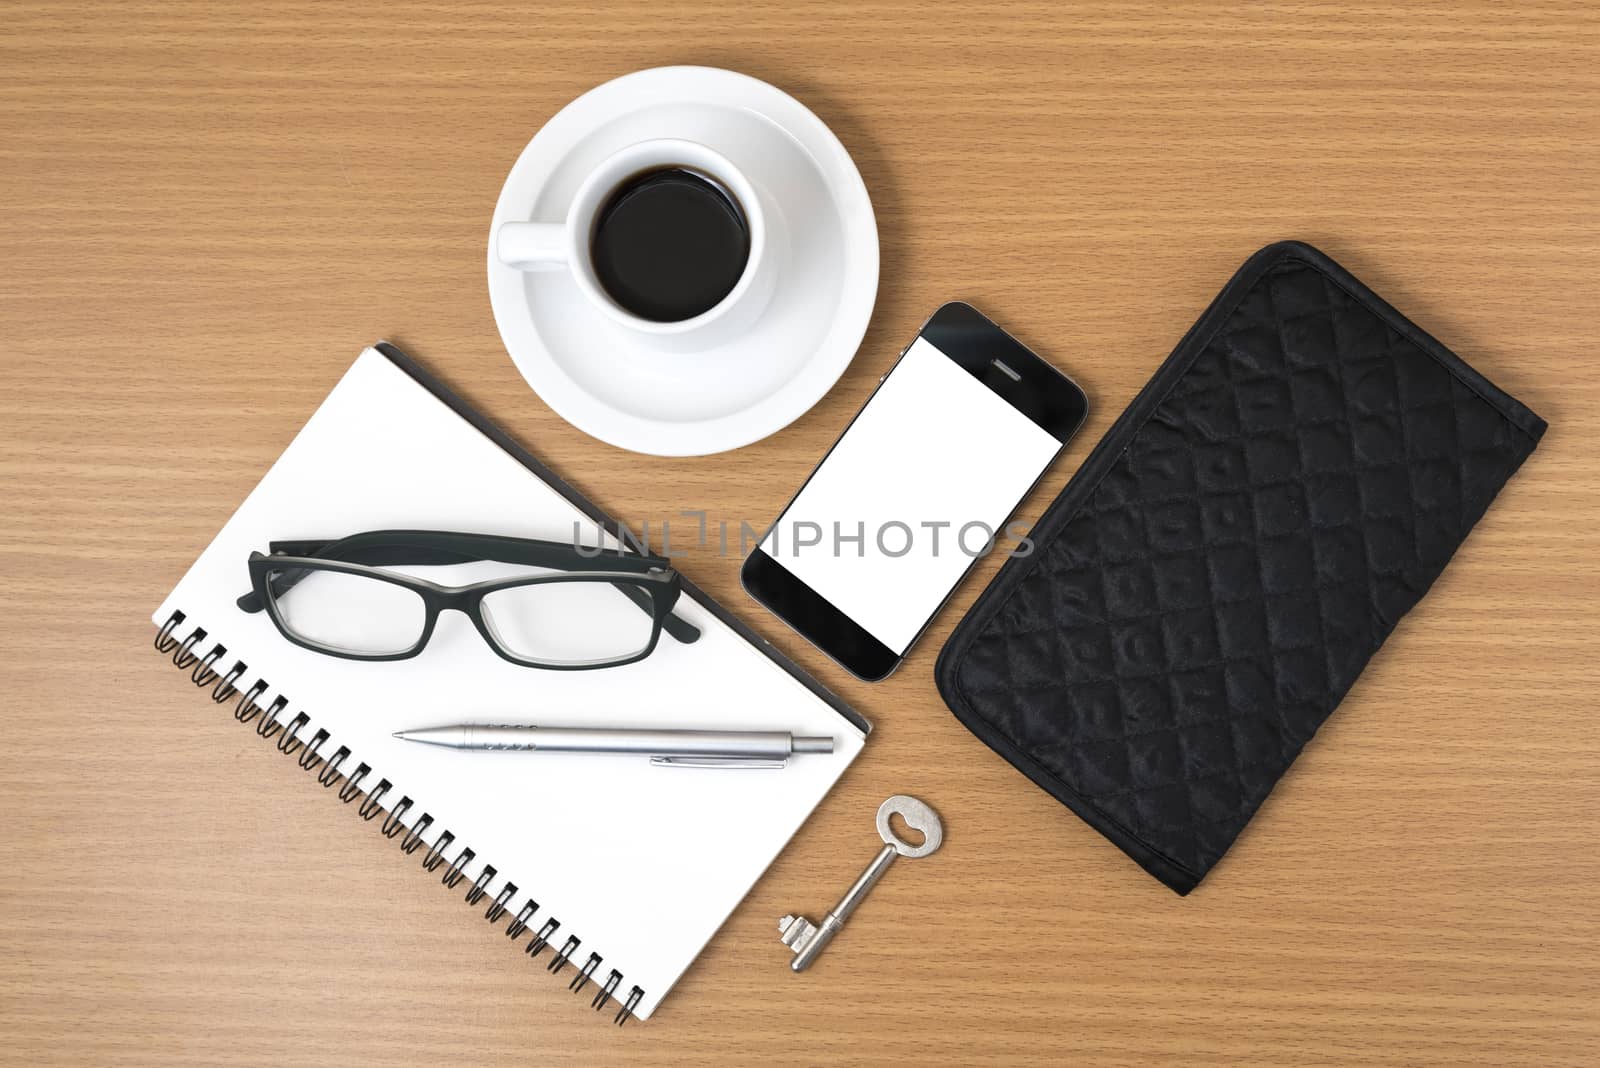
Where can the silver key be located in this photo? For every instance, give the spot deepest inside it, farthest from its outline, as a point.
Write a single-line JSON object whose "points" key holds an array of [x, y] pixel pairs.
{"points": [[806, 938]]}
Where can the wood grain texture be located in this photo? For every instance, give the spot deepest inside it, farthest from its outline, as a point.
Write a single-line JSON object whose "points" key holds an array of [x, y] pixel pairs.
{"points": [[206, 211]]}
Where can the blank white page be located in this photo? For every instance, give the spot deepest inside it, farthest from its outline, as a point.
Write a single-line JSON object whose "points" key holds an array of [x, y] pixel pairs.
{"points": [[642, 863]]}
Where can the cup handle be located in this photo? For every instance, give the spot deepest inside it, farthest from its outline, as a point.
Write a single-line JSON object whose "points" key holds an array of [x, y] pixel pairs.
{"points": [[530, 246]]}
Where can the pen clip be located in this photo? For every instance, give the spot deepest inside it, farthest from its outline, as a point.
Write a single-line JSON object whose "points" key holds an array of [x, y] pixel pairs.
{"points": [[714, 762]]}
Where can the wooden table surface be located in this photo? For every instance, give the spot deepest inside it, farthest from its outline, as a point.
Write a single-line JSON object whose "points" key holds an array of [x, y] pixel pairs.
{"points": [[205, 213]]}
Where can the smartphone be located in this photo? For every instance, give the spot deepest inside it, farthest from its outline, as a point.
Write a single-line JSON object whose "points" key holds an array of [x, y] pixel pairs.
{"points": [[919, 486]]}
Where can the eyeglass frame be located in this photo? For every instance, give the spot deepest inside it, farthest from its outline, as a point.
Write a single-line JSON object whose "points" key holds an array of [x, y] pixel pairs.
{"points": [[651, 576]]}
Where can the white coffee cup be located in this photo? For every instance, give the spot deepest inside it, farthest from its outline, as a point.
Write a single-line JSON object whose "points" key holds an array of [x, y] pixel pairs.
{"points": [[544, 246]]}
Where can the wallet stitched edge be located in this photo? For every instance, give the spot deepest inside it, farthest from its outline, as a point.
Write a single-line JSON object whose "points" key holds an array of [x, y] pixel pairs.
{"points": [[1177, 876]]}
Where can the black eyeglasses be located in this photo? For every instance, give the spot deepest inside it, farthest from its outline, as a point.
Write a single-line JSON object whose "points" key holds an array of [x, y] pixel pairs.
{"points": [[593, 608]]}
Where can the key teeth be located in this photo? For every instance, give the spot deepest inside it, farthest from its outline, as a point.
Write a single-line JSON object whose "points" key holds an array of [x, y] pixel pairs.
{"points": [[796, 931]]}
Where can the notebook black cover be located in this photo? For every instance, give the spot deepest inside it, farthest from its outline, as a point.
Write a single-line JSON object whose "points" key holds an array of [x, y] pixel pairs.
{"points": [[1214, 578]]}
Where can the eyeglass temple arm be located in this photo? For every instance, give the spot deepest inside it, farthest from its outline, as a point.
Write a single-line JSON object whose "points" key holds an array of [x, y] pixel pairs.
{"points": [[542, 554], [674, 624]]}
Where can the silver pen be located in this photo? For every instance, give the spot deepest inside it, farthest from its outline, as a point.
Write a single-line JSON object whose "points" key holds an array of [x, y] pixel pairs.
{"points": [[667, 748]]}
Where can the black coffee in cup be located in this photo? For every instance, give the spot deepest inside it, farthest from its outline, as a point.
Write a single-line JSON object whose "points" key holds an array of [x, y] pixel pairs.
{"points": [[669, 244]]}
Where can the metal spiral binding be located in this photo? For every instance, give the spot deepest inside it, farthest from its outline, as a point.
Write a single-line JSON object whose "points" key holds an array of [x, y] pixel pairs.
{"points": [[453, 874], [202, 671], [634, 997], [225, 689], [435, 855], [542, 939], [581, 980], [480, 885], [497, 907], [289, 741], [394, 822], [515, 928], [559, 961], [268, 724], [247, 707], [352, 787], [224, 686], [374, 802], [603, 995], [413, 837], [330, 772], [313, 750]]}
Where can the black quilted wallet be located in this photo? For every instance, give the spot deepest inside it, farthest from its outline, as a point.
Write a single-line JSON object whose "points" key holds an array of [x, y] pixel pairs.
{"points": [[1213, 580]]}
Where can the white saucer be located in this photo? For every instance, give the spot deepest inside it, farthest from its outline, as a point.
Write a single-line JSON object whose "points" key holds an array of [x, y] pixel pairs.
{"points": [[606, 382]]}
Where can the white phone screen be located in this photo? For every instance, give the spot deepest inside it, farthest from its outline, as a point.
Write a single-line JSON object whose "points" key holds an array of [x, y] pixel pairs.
{"points": [[931, 467]]}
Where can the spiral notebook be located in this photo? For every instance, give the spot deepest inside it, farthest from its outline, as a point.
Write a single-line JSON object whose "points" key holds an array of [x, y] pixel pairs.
{"points": [[605, 870]]}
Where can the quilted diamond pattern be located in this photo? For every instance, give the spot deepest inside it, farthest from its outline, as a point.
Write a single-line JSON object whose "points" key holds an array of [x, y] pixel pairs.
{"points": [[1193, 614]]}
